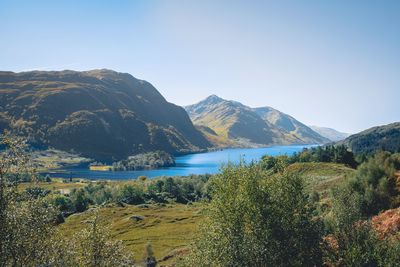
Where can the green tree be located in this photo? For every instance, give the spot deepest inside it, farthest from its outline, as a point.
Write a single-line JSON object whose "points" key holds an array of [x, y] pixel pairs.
{"points": [[375, 183], [257, 220], [131, 194], [28, 233], [26, 221], [80, 200]]}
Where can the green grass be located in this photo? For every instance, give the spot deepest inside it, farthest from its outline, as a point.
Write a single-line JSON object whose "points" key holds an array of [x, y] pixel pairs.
{"points": [[167, 228], [56, 184], [321, 176], [170, 228], [54, 159]]}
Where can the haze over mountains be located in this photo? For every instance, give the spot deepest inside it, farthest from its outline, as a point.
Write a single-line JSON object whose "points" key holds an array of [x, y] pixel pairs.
{"points": [[330, 133], [226, 122]]}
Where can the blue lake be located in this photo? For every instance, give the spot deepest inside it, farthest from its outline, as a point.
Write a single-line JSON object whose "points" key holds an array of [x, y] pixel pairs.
{"points": [[200, 163]]}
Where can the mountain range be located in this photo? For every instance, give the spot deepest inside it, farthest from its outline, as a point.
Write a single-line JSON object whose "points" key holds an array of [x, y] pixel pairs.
{"points": [[230, 123], [100, 114], [108, 116], [330, 133]]}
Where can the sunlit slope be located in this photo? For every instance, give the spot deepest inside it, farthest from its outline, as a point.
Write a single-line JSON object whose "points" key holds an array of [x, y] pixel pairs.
{"points": [[290, 125], [230, 123], [167, 227]]}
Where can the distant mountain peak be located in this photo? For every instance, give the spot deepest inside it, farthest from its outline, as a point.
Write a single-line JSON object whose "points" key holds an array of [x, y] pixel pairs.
{"points": [[213, 99], [329, 133], [236, 124]]}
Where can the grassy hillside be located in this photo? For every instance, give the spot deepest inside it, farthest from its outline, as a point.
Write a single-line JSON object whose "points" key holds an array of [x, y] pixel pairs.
{"points": [[231, 120], [290, 125], [230, 123], [100, 114], [321, 176], [167, 227]]}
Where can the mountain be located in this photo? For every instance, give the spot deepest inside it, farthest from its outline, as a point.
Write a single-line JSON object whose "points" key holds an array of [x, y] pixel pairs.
{"points": [[100, 114], [291, 125], [330, 133], [386, 137], [230, 123]]}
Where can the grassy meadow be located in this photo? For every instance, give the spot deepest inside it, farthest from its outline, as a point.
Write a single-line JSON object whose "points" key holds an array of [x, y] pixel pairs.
{"points": [[171, 227]]}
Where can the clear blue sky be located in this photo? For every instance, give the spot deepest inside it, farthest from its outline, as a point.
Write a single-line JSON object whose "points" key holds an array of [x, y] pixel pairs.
{"points": [[327, 63]]}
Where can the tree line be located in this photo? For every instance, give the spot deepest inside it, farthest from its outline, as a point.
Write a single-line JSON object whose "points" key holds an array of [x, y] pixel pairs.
{"points": [[334, 154]]}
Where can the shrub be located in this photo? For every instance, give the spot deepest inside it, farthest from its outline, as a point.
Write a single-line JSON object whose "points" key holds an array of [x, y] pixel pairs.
{"points": [[353, 241], [130, 194], [375, 183], [257, 220], [80, 200]]}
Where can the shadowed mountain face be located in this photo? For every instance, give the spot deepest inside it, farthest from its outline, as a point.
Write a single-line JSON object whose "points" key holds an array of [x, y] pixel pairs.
{"points": [[386, 138], [230, 123], [330, 133], [101, 114]]}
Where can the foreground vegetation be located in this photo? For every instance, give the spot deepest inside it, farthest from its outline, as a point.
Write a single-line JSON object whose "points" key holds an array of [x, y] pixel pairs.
{"points": [[258, 218], [169, 228], [282, 211], [28, 232]]}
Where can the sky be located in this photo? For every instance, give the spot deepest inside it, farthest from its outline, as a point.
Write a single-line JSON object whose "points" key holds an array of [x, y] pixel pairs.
{"points": [[326, 63]]}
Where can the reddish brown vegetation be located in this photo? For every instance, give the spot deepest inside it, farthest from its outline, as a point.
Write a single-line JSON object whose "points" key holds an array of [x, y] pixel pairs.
{"points": [[387, 224]]}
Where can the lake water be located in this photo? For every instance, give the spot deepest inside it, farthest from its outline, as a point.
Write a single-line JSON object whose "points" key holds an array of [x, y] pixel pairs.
{"points": [[200, 163]]}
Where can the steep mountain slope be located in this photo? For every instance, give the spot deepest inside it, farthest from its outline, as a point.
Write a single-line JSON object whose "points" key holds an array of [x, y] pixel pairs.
{"points": [[101, 114], [290, 124], [230, 123], [330, 133], [386, 137]]}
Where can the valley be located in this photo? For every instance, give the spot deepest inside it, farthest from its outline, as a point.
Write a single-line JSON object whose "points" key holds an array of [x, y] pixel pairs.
{"points": [[169, 227], [199, 133], [107, 116]]}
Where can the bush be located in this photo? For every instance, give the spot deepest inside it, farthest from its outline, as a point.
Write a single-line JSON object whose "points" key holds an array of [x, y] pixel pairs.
{"points": [[28, 233], [130, 194], [80, 200], [375, 183], [353, 241], [256, 220]]}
